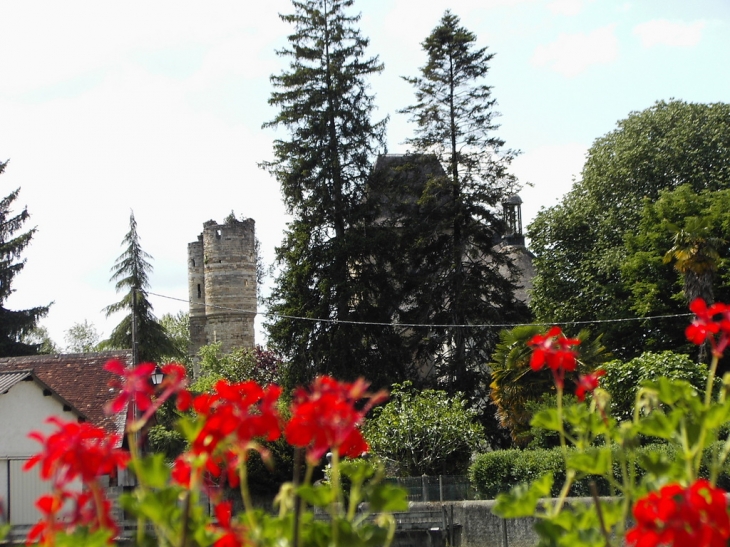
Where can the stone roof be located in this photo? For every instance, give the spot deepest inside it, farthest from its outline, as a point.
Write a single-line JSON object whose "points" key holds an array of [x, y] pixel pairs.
{"points": [[78, 378]]}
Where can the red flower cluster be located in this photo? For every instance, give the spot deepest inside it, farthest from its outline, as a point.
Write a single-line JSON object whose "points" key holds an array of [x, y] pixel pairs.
{"points": [[136, 386], [231, 421], [88, 511], [233, 416], [705, 327], [588, 384], [230, 533], [75, 451], [326, 416], [696, 516], [556, 351]]}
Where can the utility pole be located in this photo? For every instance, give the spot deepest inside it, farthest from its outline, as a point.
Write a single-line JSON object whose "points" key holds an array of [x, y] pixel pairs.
{"points": [[135, 351]]}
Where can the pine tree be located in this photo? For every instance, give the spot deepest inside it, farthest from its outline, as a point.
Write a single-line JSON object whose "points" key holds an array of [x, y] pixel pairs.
{"points": [[460, 277], [15, 325], [131, 273], [322, 167]]}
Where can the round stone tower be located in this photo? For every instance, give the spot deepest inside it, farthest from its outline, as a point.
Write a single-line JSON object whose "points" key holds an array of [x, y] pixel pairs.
{"points": [[222, 285]]}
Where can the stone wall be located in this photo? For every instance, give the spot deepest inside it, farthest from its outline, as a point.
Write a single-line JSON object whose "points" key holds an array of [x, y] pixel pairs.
{"points": [[222, 285], [479, 527]]}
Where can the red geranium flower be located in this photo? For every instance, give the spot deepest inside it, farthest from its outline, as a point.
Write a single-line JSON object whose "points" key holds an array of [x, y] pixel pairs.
{"points": [[326, 417], [696, 516], [556, 351], [134, 386], [76, 450], [706, 327], [231, 533], [588, 383]]}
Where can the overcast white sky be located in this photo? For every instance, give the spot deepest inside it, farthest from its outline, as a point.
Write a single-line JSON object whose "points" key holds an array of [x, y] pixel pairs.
{"points": [[157, 106]]}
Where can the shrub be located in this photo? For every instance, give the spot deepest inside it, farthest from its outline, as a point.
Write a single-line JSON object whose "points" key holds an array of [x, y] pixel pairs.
{"points": [[622, 380]]}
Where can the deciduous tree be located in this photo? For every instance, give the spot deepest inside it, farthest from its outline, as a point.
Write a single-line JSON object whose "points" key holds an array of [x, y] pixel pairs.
{"points": [[580, 243], [424, 432], [82, 338]]}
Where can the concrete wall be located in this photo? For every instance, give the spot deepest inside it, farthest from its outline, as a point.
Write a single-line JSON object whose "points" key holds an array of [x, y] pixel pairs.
{"points": [[481, 528]]}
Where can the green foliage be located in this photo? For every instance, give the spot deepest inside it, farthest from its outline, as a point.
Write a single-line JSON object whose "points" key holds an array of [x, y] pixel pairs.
{"points": [[81, 338], [131, 273], [580, 243], [424, 432], [238, 365], [688, 228], [514, 385], [454, 273], [623, 379], [40, 337], [177, 327], [15, 325], [495, 472]]}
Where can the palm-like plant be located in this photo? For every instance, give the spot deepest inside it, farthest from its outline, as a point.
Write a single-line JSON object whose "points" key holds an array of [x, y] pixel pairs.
{"points": [[695, 252], [514, 383]]}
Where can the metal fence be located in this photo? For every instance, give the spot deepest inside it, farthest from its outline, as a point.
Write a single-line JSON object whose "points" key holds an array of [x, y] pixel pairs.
{"points": [[441, 488]]}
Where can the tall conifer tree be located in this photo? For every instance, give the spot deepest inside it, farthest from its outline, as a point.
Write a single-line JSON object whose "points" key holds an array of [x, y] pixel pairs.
{"points": [[131, 273], [462, 278], [15, 325], [322, 166]]}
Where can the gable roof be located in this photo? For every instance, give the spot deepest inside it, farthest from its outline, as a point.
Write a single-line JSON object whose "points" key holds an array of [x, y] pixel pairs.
{"points": [[8, 379], [78, 378]]}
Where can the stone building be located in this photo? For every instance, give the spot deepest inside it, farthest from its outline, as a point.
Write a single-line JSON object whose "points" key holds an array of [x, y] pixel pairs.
{"points": [[222, 285]]}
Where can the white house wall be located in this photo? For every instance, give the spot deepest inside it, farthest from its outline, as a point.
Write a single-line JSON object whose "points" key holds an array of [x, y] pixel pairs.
{"points": [[23, 409]]}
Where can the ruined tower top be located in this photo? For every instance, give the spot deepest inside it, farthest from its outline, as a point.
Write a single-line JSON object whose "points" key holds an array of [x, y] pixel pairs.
{"points": [[222, 285]]}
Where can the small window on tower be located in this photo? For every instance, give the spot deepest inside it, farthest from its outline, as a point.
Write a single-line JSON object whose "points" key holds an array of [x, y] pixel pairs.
{"points": [[193, 261], [218, 234], [199, 294]]}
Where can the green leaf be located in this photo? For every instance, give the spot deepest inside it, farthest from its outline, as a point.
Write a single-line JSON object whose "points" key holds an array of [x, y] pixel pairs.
{"points": [[547, 419], [358, 471], [655, 462], [81, 537], [522, 500], [152, 470], [658, 424], [319, 496], [387, 498], [592, 463]]}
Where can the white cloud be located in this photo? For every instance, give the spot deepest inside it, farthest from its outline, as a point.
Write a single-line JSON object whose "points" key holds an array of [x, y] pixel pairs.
{"points": [[669, 33], [566, 7], [571, 54], [551, 170]]}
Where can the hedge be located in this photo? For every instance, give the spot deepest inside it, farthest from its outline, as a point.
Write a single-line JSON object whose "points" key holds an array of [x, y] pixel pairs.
{"points": [[499, 471]]}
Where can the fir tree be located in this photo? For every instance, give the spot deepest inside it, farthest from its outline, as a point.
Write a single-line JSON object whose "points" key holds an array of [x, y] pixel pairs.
{"points": [[458, 275], [16, 326], [322, 167], [131, 273]]}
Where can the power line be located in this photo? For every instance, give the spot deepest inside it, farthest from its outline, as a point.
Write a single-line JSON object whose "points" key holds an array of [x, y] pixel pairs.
{"points": [[433, 326]]}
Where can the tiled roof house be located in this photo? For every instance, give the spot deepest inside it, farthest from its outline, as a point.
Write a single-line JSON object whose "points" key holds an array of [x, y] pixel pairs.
{"points": [[32, 389], [79, 379]]}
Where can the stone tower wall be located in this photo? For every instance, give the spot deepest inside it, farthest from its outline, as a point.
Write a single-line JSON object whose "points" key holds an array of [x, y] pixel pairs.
{"points": [[224, 309], [196, 294]]}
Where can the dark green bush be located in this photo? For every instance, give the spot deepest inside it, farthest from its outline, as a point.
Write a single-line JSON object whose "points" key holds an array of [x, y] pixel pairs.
{"points": [[499, 471], [622, 379]]}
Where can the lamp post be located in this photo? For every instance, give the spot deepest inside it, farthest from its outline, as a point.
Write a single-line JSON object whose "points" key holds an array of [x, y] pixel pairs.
{"points": [[157, 376]]}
